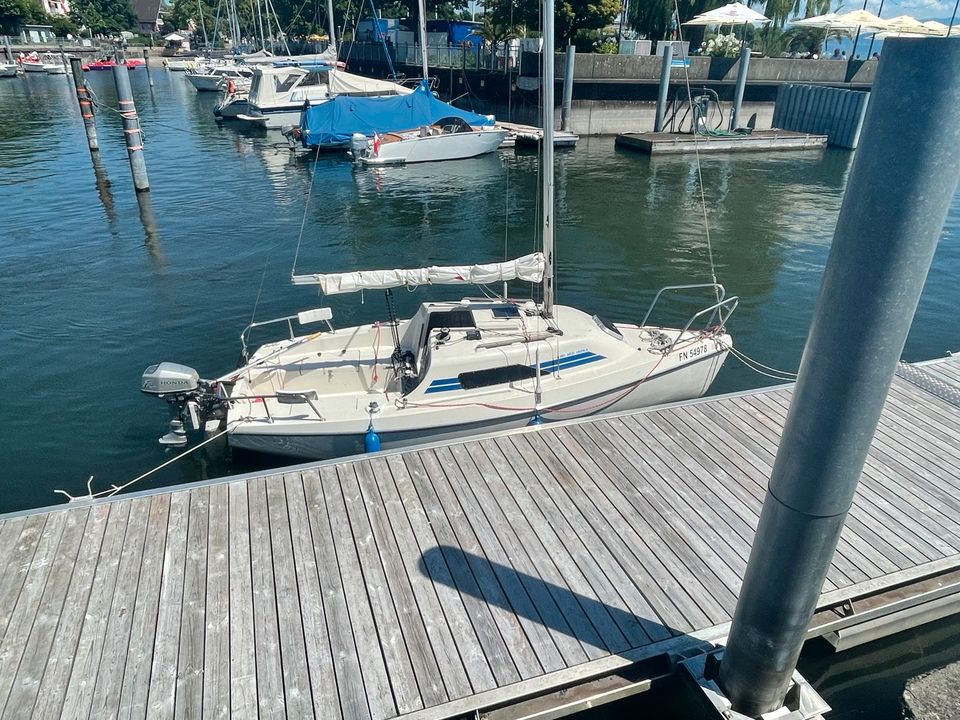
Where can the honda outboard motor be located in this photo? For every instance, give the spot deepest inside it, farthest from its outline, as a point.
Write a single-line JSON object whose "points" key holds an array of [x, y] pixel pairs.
{"points": [[187, 396]]}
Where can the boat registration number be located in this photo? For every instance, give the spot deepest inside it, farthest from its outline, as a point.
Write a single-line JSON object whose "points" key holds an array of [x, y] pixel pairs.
{"points": [[694, 352]]}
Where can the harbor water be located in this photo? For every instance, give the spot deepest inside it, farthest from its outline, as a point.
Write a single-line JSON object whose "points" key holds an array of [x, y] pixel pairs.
{"points": [[94, 287]]}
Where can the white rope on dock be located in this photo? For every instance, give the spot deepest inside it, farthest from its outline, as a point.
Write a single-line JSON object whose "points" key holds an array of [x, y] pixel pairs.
{"points": [[114, 489]]}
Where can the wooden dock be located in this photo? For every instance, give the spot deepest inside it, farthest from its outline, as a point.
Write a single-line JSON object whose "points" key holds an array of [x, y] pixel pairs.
{"points": [[665, 143], [456, 579]]}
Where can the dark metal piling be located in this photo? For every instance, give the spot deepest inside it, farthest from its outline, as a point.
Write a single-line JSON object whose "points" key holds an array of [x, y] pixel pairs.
{"points": [[131, 128], [86, 105], [146, 66], [664, 87], [741, 84], [568, 87], [7, 49], [885, 238]]}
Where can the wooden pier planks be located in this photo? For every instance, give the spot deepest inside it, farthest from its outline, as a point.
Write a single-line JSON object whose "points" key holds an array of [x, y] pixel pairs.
{"points": [[444, 579]]}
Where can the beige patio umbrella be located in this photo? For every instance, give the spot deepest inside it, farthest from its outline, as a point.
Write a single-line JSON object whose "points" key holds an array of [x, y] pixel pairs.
{"points": [[938, 28], [859, 19], [906, 26]]}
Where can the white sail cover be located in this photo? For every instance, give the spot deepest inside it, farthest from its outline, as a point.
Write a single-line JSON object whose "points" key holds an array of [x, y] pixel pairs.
{"points": [[529, 268], [344, 83]]}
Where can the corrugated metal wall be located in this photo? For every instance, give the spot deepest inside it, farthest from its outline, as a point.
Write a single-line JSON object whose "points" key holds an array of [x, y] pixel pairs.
{"points": [[836, 113]]}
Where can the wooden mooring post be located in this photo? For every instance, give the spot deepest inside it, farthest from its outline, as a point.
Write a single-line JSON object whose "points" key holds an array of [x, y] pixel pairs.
{"points": [[131, 129], [86, 106]]}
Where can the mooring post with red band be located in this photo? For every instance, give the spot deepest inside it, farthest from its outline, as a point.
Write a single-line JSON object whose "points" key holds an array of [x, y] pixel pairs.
{"points": [[86, 106], [131, 128]]}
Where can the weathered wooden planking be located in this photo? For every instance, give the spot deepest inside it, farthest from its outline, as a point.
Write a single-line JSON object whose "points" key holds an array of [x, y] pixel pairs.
{"points": [[293, 651], [447, 579], [86, 660], [270, 691], [18, 693], [59, 661], [243, 662], [216, 645], [189, 688], [163, 671], [106, 694], [136, 674]]}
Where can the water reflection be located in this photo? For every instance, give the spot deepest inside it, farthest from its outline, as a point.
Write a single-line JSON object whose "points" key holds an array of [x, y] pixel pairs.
{"points": [[151, 234], [102, 182]]}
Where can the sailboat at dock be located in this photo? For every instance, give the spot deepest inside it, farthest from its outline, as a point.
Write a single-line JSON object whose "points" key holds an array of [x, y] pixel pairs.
{"points": [[453, 369]]}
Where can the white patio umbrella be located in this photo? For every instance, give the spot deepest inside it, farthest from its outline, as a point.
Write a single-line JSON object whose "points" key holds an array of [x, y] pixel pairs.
{"points": [[733, 14], [817, 21]]}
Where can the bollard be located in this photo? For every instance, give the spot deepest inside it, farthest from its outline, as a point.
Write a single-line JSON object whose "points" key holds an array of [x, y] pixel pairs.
{"points": [[131, 128], [568, 87], [741, 84], [664, 87], [86, 105], [7, 48], [884, 242]]}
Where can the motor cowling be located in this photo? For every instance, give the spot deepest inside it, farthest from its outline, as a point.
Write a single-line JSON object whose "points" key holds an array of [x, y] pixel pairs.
{"points": [[169, 378], [200, 402], [359, 146]]}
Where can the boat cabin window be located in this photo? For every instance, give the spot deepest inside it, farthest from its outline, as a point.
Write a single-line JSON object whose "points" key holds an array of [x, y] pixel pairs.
{"points": [[450, 319], [608, 327], [284, 83], [506, 311], [496, 376], [312, 79]]}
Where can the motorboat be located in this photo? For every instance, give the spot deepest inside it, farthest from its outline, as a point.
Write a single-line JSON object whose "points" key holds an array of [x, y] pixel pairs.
{"points": [[212, 78], [365, 123], [184, 64], [233, 100], [110, 63], [278, 93], [447, 139], [33, 63], [9, 69]]}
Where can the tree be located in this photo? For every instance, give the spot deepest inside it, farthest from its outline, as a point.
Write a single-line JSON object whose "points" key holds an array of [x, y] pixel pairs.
{"points": [[104, 16], [654, 18], [15, 13]]}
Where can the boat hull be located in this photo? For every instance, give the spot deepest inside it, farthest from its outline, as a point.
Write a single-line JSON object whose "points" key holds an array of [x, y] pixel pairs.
{"points": [[681, 383], [34, 67], [233, 109], [8, 70], [273, 119], [205, 83], [436, 148]]}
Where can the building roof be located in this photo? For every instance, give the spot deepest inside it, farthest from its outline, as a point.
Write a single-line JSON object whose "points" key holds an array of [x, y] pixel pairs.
{"points": [[147, 10]]}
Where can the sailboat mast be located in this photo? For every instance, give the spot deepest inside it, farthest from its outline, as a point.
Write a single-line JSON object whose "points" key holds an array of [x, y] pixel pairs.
{"points": [[546, 149], [332, 26], [422, 5]]}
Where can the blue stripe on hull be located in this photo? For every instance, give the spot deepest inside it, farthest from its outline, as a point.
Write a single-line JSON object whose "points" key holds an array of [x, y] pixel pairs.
{"points": [[582, 358]]}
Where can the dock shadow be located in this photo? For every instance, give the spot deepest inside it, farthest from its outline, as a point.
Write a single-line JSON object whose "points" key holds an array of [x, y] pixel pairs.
{"points": [[556, 607]]}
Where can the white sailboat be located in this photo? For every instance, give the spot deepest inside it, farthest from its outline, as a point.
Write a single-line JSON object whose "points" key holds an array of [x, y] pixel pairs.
{"points": [[452, 370]]}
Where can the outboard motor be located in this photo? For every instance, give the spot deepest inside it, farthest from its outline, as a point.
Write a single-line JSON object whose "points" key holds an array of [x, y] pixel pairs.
{"points": [[187, 396], [359, 146]]}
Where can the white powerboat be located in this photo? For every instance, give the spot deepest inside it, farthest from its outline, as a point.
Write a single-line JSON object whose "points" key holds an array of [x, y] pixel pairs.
{"points": [[448, 139], [213, 78], [184, 64], [9, 69], [277, 94]]}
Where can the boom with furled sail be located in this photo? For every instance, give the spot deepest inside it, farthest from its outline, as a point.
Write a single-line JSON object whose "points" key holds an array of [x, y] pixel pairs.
{"points": [[529, 268]]}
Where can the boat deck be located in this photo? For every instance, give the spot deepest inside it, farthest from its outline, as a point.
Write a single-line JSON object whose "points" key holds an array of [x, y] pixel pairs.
{"points": [[440, 581], [666, 143]]}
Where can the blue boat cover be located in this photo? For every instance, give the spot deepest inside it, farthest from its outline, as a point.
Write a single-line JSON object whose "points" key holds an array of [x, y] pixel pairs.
{"points": [[332, 122]]}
